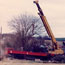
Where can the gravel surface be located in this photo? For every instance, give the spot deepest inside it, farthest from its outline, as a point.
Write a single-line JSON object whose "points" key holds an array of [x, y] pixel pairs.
{"points": [[25, 62]]}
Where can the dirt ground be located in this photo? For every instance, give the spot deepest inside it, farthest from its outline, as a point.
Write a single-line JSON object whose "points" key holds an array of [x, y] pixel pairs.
{"points": [[25, 62]]}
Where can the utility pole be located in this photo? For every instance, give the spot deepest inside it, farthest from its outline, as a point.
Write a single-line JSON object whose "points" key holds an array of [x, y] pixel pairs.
{"points": [[0, 32]]}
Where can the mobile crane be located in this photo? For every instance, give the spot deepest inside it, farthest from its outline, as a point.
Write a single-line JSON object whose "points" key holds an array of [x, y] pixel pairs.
{"points": [[57, 54], [56, 49]]}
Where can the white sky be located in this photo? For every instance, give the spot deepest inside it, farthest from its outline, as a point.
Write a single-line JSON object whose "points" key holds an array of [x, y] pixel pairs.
{"points": [[54, 11]]}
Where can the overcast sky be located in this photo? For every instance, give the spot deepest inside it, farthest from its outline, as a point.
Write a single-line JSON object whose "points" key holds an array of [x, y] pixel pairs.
{"points": [[54, 11]]}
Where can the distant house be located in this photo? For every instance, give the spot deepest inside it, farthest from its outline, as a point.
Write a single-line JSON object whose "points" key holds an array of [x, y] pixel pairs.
{"points": [[7, 38]]}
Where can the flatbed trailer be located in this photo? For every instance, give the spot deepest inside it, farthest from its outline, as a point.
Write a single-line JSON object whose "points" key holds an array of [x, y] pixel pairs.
{"points": [[30, 55]]}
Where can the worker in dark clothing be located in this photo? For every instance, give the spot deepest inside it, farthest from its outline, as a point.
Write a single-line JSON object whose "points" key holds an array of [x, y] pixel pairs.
{"points": [[63, 43]]}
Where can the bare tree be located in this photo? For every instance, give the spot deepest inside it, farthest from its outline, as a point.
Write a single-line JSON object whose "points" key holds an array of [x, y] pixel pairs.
{"points": [[25, 27]]}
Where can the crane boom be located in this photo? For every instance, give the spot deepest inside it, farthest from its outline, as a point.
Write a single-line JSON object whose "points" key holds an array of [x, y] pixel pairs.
{"points": [[46, 25]]}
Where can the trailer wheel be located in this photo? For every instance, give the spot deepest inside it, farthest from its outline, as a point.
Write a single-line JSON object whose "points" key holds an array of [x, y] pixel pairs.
{"points": [[58, 59], [27, 57]]}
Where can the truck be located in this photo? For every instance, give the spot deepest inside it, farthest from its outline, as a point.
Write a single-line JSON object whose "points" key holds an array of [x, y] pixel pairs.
{"points": [[56, 54]]}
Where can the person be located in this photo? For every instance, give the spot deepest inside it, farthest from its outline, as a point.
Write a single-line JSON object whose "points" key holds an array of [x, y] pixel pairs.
{"points": [[43, 48], [63, 43]]}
